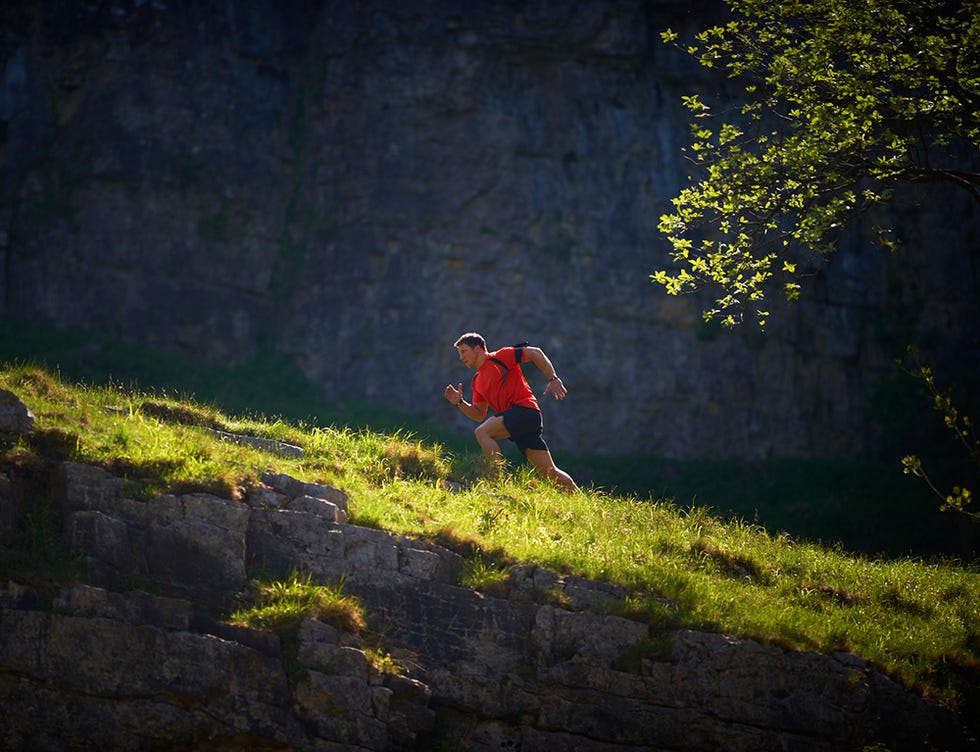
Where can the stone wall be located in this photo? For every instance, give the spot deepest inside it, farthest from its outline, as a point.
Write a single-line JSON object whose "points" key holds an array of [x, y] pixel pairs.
{"points": [[358, 183], [539, 668]]}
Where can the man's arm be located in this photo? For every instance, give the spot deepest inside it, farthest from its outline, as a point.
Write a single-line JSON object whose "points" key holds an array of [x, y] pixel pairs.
{"points": [[536, 355], [476, 411]]}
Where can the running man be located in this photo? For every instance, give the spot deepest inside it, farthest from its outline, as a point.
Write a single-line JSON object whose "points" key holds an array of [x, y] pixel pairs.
{"points": [[500, 384]]}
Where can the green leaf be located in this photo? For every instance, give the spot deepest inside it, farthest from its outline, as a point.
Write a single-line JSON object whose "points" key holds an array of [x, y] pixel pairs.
{"points": [[834, 99]]}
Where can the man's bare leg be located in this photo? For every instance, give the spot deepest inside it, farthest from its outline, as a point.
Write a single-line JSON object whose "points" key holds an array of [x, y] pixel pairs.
{"points": [[544, 463], [487, 434], [492, 429]]}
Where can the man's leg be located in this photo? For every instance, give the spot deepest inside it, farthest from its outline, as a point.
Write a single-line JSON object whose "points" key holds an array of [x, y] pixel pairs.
{"points": [[487, 434], [544, 463]]}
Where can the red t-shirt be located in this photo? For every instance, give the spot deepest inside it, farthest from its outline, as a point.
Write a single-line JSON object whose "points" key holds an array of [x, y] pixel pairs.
{"points": [[490, 386]]}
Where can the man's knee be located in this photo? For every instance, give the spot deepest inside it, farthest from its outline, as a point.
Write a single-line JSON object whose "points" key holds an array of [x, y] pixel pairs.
{"points": [[493, 428], [486, 438]]}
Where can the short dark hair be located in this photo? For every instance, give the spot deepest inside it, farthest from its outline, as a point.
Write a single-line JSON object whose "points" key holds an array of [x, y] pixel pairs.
{"points": [[472, 339]]}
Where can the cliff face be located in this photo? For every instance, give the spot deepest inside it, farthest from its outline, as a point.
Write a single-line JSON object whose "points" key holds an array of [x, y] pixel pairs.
{"points": [[539, 668], [359, 183]]}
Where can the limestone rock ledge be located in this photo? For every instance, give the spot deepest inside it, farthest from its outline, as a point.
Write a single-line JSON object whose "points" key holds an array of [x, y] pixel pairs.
{"points": [[112, 666], [81, 679]]}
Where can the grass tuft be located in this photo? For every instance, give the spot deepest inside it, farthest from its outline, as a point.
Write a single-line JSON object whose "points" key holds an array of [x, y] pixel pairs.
{"points": [[280, 605]]}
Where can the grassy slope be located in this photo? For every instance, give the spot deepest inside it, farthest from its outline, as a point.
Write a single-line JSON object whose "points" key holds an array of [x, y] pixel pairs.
{"points": [[866, 507], [684, 567]]}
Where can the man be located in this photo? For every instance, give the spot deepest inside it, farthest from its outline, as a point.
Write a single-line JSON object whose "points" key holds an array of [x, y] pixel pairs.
{"points": [[499, 383]]}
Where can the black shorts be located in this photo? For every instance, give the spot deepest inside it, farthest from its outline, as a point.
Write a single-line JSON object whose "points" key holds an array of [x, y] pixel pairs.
{"points": [[524, 426]]}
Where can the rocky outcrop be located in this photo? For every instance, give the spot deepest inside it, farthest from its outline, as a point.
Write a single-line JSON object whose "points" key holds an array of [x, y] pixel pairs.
{"points": [[532, 669], [131, 672], [15, 417], [356, 184]]}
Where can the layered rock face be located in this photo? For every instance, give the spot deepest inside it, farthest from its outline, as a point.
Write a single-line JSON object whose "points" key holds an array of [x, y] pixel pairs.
{"points": [[359, 183], [538, 668]]}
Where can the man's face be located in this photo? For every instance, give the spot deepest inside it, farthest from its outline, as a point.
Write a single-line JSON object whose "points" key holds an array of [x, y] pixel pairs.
{"points": [[468, 355]]}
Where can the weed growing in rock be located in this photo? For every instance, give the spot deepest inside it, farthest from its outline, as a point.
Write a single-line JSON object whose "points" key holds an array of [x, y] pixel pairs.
{"points": [[485, 576], [280, 605]]}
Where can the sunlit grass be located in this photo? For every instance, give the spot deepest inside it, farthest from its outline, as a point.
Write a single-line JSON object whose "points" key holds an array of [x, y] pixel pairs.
{"points": [[682, 567], [280, 605]]}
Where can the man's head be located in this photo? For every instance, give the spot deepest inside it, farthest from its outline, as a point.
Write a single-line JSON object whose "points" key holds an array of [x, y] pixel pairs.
{"points": [[472, 349], [471, 339]]}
